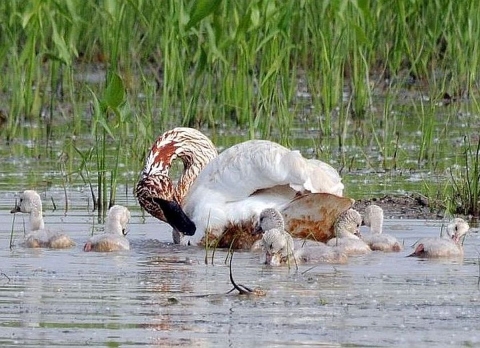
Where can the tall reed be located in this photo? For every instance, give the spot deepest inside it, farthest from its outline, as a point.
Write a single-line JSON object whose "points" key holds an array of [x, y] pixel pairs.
{"points": [[234, 63], [465, 196]]}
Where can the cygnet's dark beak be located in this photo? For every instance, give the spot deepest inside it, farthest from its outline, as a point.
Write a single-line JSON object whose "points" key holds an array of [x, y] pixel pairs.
{"points": [[16, 209], [357, 232], [257, 230], [268, 258]]}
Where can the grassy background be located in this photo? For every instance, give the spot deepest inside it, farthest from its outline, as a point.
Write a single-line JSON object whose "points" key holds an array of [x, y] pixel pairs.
{"points": [[362, 74]]}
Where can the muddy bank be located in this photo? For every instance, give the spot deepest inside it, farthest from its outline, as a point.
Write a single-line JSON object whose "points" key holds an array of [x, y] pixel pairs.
{"points": [[411, 206]]}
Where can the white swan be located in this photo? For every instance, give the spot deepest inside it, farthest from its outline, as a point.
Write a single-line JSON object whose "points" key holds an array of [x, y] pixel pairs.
{"points": [[377, 240], [39, 237], [449, 245], [223, 195], [281, 248], [113, 239], [347, 231]]}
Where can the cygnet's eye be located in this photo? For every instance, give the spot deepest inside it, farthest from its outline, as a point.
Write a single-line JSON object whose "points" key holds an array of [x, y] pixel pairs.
{"points": [[21, 200]]}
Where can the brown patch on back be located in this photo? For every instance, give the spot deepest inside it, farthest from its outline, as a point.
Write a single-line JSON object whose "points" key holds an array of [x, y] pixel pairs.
{"points": [[235, 236], [309, 216], [313, 215], [238, 239]]}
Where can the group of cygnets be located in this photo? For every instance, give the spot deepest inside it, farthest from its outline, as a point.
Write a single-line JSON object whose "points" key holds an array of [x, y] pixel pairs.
{"points": [[113, 238], [277, 244], [280, 248]]}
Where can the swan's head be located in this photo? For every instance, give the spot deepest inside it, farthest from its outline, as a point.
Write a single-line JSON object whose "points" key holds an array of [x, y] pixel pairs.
{"points": [[278, 246], [373, 218], [118, 215], [155, 195], [29, 201], [155, 191], [269, 218], [154, 186], [457, 228], [347, 224]]}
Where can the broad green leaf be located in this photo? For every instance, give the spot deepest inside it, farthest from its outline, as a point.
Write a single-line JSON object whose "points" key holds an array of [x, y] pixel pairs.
{"points": [[99, 116], [200, 10], [61, 46], [114, 93]]}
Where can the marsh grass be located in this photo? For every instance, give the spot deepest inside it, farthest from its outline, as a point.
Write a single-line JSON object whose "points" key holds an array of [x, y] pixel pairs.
{"points": [[11, 244], [229, 64], [466, 181]]}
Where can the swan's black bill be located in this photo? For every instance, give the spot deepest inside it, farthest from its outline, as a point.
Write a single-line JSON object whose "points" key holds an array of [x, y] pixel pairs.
{"points": [[175, 216]]}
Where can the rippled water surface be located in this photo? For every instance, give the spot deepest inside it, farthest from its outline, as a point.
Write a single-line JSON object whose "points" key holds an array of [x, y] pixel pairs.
{"points": [[158, 294]]}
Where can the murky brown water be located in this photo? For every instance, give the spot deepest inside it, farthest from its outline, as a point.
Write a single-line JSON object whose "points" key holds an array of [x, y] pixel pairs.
{"points": [[158, 294]]}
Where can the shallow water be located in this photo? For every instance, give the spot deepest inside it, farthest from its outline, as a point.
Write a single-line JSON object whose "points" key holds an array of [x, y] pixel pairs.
{"points": [[159, 294]]}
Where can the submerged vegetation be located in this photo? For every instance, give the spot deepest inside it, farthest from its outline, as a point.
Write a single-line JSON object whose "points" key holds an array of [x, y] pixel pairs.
{"points": [[382, 86]]}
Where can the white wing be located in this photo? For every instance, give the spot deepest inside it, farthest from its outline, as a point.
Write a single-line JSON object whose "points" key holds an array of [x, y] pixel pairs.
{"points": [[249, 177]]}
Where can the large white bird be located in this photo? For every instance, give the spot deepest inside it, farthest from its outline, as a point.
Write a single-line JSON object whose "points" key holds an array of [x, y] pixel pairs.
{"points": [[38, 236], [218, 198]]}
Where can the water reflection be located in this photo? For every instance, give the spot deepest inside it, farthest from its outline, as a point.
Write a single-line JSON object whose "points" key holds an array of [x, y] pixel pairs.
{"points": [[159, 294]]}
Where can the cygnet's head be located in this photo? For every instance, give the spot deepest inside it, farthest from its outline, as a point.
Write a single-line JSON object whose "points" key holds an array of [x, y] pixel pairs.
{"points": [[347, 224], [117, 219], [269, 218], [29, 201], [278, 245], [457, 228]]}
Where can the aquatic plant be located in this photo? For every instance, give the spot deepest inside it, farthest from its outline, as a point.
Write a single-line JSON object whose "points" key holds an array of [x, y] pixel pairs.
{"points": [[351, 72], [465, 181], [109, 107]]}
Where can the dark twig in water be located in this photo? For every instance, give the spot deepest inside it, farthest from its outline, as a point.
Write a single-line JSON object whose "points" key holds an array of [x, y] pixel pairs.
{"points": [[13, 226], [243, 290], [6, 276], [309, 269], [53, 203], [478, 281]]}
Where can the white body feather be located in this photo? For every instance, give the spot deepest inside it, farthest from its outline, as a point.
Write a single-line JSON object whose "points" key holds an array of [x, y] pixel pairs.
{"points": [[39, 237], [449, 245], [249, 177], [113, 239]]}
